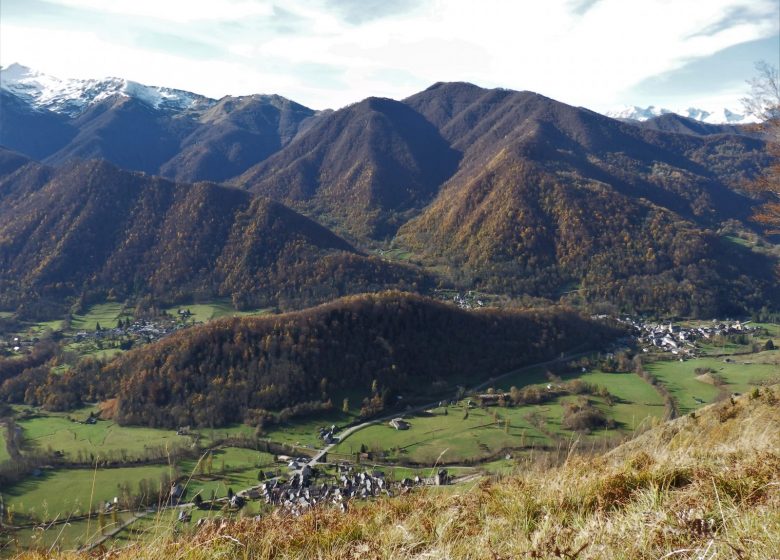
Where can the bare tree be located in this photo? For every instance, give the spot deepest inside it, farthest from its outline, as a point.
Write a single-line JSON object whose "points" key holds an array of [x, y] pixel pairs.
{"points": [[763, 102]]}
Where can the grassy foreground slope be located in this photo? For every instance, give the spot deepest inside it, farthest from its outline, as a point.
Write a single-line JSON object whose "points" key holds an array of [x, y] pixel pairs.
{"points": [[703, 486]]}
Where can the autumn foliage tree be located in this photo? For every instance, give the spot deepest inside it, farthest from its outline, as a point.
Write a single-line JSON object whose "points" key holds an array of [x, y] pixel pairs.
{"points": [[763, 102]]}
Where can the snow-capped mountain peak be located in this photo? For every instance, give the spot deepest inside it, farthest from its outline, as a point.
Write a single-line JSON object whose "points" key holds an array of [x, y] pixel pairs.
{"points": [[635, 113], [74, 96], [715, 116]]}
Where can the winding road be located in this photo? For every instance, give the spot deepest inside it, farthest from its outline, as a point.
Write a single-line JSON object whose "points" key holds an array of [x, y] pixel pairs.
{"points": [[315, 460]]}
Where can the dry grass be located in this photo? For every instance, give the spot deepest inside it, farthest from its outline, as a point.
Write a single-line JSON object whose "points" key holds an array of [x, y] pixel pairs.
{"points": [[704, 488]]}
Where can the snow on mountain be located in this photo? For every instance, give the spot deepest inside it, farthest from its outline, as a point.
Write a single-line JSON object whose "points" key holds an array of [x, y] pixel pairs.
{"points": [[719, 116], [634, 113], [74, 96]]}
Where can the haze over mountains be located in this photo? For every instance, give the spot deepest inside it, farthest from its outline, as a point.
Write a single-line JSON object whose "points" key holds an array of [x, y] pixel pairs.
{"points": [[508, 192]]}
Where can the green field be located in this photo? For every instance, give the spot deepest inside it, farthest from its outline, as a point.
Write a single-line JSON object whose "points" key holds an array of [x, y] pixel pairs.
{"points": [[204, 312], [67, 536], [231, 467], [396, 254], [304, 432], [637, 400], [58, 493], [4, 456], [435, 436], [105, 439], [739, 374], [107, 314]]}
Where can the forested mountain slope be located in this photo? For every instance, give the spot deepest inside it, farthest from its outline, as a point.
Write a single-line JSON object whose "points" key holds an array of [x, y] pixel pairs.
{"points": [[91, 230], [367, 168], [551, 198]]}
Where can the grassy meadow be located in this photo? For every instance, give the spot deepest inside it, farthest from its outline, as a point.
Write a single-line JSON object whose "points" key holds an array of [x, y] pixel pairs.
{"points": [[476, 434], [205, 312], [737, 375], [63, 492], [4, 456], [703, 487], [85, 443]]}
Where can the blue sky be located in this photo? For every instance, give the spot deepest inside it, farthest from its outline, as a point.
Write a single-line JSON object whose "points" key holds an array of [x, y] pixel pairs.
{"points": [[328, 53]]}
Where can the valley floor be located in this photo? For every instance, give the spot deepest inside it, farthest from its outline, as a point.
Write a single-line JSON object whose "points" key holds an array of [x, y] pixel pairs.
{"points": [[469, 438], [705, 485]]}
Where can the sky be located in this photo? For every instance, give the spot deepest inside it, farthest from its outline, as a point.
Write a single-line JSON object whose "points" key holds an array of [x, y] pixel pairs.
{"points": [[599, 54]]}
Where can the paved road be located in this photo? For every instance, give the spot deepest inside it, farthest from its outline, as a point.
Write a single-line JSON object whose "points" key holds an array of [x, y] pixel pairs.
{"points": [[116, 530]]}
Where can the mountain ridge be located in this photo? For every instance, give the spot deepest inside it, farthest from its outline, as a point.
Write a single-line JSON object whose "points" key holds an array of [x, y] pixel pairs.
{"points": [[88, 229]]}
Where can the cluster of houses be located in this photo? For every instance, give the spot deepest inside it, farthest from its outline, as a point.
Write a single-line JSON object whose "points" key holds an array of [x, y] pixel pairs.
{"points": [[17, 343], [679, 340], [328, 435], [143, 329], [465, 300], [301, 493]]}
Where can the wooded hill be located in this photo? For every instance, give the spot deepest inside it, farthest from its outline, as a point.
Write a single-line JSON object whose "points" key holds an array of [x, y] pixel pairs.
{"points": [[90, 230], [368, 346], [550, 198]]}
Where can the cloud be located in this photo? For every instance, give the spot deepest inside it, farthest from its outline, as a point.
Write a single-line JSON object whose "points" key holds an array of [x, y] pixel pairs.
{"points": [[332, 52], [580, 7], [361, 11], [180, 11]]}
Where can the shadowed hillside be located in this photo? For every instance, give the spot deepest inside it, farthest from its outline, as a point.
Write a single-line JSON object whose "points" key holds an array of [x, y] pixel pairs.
{"points": [[91, 230], [212, 140], [366, 168]]}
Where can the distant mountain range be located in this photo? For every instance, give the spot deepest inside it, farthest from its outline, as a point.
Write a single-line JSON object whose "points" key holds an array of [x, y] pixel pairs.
{"points": [[715, 116], [504, 191], [169, 132], [73, 96]]}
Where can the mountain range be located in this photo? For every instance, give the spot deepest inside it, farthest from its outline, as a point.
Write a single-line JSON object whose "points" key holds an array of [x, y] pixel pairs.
{"points": [[89, 229], [714, 116], [504, 191]]}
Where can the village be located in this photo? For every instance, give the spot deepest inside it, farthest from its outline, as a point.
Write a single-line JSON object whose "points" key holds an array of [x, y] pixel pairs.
{"points": [[305, 487], [680, 340], [126, 334]]}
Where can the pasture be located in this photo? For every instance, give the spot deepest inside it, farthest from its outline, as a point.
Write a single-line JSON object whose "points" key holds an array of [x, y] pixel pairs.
{"points": [[216, 309], [738, 374], [229, 467], [67, 536], [4, 456], [455, 436], [85, 443], [107, 314], [63, 492]]}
